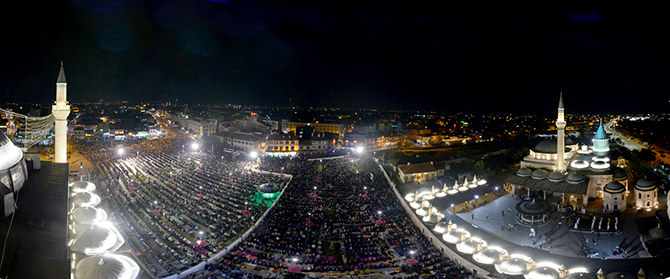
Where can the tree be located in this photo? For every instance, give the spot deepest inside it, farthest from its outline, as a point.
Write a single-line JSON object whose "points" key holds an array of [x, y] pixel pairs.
{"points": [[407, 144], [646, 155], [435, 141]]}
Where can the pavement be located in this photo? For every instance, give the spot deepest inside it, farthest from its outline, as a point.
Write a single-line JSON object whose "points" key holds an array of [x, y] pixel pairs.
{"points": [[486, 221]]}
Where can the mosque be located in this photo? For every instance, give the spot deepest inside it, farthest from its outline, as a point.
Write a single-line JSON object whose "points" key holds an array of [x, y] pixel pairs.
{"points": [[575, 173]]}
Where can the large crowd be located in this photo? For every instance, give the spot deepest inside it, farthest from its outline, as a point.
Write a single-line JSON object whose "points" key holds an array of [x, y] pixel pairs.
{"points": [[178, 208]]}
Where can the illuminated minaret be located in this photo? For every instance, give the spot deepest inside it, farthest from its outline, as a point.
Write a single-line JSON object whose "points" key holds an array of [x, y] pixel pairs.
{"points": [[60, 110], [560, 141]]}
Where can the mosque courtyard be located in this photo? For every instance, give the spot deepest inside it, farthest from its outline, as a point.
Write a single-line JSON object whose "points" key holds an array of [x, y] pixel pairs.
{"points": [[493, 218]]}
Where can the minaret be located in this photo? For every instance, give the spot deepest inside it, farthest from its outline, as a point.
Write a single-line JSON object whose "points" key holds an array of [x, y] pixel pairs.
{"points": [[60, 110], [560, 141]]}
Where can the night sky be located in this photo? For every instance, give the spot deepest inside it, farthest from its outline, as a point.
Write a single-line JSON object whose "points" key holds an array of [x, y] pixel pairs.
{"points": [[340, 54]]}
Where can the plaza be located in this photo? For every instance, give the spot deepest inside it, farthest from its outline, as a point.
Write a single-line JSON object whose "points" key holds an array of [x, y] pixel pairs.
{"points": [[494, 219]]}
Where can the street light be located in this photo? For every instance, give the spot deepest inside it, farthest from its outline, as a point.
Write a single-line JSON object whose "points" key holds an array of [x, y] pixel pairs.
{"points": [[359, 149], [253, 154], [194, 145], [120, 151]]}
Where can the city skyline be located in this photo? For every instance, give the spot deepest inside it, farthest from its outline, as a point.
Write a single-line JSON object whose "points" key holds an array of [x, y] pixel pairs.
{"points": [[343, 55]]}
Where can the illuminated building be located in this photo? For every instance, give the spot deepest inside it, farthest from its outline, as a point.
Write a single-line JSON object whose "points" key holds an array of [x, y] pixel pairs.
{"points": [[282, 144], [318, 127], [560, 167]]}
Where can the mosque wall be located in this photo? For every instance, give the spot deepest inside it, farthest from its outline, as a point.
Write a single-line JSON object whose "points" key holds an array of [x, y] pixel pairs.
{"points": [[646, 199], [597, 184], [614, 201]]}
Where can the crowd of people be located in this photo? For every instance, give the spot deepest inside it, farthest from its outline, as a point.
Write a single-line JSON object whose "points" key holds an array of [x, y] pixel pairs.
{"points": [[178, 208], [340, 215]]}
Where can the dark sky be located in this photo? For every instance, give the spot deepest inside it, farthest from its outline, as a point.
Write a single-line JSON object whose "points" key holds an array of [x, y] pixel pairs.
{"points": [[340, 54]]}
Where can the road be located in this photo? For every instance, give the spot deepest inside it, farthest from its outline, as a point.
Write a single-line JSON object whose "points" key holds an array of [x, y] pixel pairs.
{"points": [[629, 144]]}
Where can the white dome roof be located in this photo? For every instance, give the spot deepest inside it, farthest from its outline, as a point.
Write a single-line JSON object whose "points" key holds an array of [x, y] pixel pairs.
{"points": [[85, 199], [579, 164], [82, 186], [95, 239], [107, 266], [490, 255], [10, 155], [455, 236], [600, 165], [88, 215], [514, 265], [471, 245]]}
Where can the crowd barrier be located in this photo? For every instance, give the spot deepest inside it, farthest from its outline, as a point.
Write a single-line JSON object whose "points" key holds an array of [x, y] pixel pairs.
{"points": [[480, 272]]}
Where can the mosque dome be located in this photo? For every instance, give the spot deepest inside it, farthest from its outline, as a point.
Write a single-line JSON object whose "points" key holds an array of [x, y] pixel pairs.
{"points": [[88, 215], [96, 239], [645, 185], [550, 146], [655, 234], [601, 158], [85, 199], [456, 236], [540, 174], [579, 164], [523, 172], [614, 187], [584, 150], [426, 194], [543, 272], [575, 178], [82, 186], [440, 227], [600, 165], [109, 266], [490, 255], [471, 245], [514, 265], [619, 174], [13, 170], [556, 177], [10, 155]]}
